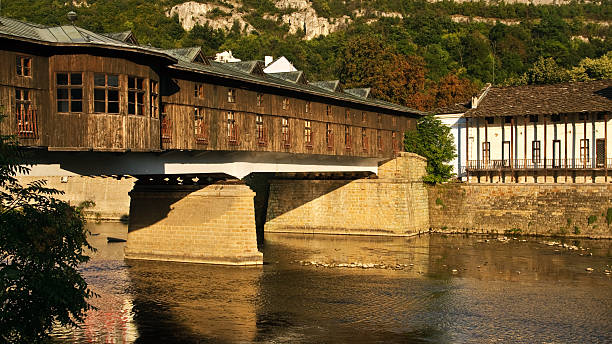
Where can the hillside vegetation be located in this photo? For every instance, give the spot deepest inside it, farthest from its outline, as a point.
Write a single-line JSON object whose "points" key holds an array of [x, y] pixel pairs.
{"points": [[411, 52]]}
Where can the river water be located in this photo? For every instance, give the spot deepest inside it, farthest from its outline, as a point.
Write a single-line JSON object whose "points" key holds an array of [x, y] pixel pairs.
{"points": [[427, 289]]}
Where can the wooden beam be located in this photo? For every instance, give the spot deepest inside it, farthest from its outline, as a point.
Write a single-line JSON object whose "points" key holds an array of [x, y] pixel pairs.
{"points": [[467, 148], [545, 146], [606, 146], [566, 147], [525, 147]]}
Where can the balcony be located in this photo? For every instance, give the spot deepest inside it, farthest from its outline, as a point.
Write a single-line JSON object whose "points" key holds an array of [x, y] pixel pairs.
{"points": [[530, 164]]}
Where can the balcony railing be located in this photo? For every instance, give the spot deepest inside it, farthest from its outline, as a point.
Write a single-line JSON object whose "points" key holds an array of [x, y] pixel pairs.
{"points": [[530, 164]]}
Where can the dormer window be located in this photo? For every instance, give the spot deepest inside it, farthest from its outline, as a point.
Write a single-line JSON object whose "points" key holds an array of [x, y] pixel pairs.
{"points": [[24, 66], [231, 95]]}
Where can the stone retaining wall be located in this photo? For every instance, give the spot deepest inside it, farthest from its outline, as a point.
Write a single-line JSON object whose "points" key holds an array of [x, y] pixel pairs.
{"points": [[539, 209]]}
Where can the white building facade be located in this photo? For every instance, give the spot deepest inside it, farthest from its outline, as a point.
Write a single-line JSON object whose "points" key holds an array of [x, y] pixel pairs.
{"points": [[538, 134]]}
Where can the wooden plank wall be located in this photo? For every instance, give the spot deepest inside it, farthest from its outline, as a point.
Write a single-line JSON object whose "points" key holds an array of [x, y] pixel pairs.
{"points": [[121, 132]]}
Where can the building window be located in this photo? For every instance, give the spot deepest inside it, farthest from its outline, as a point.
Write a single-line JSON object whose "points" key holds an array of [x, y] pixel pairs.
{"points": [[166, 125], [508, 119], [347, 114], [534, 118], [24, 66], [328, 110], [259, 126], [201, 130], [535, 152], [232, 128], [69, 92], [584, 151], [106, 93], [136, 96], [394, 142], [347, 137], [329, 136], [490, 120], [555, 118], [154, 99], [486, 152], [308, 134], [231, 95], [379, 141], [198, 90], [260, 98], [307, 107], [364, 140], [285, 103], [363, 116], [25, 114], [285, 131]]}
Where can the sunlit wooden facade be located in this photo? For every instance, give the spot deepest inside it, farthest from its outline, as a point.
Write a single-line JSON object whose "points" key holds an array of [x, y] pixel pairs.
{"points": [[68, 89]]}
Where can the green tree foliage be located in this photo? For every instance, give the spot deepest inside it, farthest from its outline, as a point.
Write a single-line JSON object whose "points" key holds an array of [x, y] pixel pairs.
{"points": [[434, 141], [593, 69], [42, 242]]}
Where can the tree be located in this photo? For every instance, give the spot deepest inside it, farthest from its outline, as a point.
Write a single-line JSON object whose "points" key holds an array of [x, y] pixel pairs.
{"points": [[593, 69], [434, 141], [42, 242]]}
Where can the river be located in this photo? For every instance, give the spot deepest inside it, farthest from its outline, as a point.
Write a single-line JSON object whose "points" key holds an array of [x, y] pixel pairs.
{"points": [[427, 289]]}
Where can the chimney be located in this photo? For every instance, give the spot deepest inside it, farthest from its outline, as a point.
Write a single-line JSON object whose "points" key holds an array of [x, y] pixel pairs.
{"points": [[268, 60], [474, 102]]}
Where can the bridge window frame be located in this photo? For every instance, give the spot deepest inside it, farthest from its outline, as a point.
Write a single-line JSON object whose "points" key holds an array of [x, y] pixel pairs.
{"points": [[364, 140], [154, 98], [535, 152], [105, 92], [307, 107], [198, 90], [25, 113], [329, 136], [200, 128], [232, 128], [260, 99], [347, 137], [69, 94], [486, 152], [308, 134], [285, 103], [231, 95], [136, 96], [584, 151], [23, 66], [379, 140], [260, 130], [285, 132]]}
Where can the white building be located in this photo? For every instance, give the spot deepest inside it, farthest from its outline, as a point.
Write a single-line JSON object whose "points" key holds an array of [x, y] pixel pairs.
{"points": [[280, 65], [536, 133]]}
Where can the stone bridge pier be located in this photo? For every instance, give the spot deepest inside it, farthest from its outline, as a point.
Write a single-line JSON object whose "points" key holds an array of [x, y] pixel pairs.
{"points": [[211, 218], [205, 219]]}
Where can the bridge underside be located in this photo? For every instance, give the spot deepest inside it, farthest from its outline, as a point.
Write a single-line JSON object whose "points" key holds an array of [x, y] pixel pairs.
{"points": [[236, 164]]}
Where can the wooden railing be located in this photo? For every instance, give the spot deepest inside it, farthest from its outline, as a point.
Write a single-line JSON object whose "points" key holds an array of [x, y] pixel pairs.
{"points": [[529, 164], [27, 126]]}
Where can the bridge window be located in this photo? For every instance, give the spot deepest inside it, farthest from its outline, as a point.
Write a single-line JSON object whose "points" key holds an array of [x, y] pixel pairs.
{"points": [[285, 131], [69, 92], [308, 134], [166, 125], [198, 90], [232, 128], [201, 130], [260, 98], [379, 141], [154, 99], [329, 136], [285, 103], [535, 152], [231, 95], [395, 142], [328, 110], [24, 66], [347, 114], [307, 110], [379, 119], [25, 113], [394, 121], [364, 140], [136, 96], [347, 137], [261, 134], [106, 93], [363, 116]]}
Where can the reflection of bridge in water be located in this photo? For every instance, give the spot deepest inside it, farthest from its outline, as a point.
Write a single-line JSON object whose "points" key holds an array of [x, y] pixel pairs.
{"points": [[96, 104]]}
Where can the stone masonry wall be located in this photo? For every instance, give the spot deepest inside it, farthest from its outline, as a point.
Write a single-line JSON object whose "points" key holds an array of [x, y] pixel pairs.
{"points": [[394, 204], [214, 224], [540, 209], [109, 194]]}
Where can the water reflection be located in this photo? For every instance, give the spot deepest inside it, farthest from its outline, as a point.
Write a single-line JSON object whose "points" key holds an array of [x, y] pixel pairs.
{"points": [[431, 289]]}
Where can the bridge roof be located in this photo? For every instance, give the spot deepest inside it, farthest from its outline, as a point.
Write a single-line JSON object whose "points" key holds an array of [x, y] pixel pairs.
{"points": [[182, 59]]}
